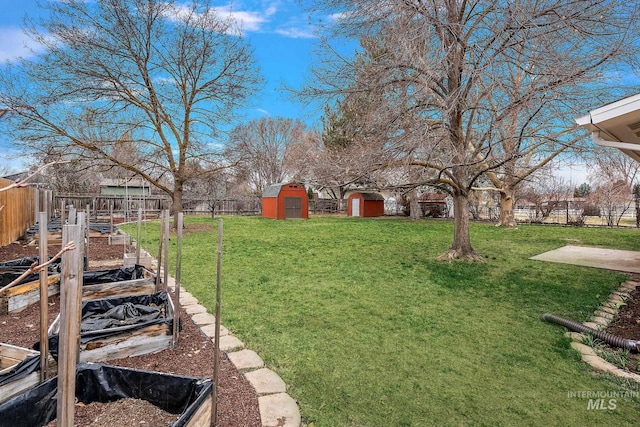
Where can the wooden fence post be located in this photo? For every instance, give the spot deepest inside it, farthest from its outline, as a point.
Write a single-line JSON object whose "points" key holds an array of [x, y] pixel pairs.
{"points": [[180, 221], [138, 236], [44, 294], [216, 352], [166, 249], [63, 211], [160, 251], [85, 224], [45, 202], [72, 215], [110, 217], [69, 335], [37, 204]]}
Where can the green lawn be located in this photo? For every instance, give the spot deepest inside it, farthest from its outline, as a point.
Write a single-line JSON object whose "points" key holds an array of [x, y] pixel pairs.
{"points": [[367, 329]]}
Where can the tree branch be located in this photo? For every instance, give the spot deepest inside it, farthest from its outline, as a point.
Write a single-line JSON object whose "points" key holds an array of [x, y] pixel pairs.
{"points": [[36, 268]]}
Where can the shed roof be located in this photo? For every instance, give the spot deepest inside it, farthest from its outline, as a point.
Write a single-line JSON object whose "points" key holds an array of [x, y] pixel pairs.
{"points": [[371, 196], [274, 189]]}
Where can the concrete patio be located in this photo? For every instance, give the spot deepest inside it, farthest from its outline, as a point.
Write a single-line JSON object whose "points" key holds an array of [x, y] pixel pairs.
{"points": [[610, 259]]}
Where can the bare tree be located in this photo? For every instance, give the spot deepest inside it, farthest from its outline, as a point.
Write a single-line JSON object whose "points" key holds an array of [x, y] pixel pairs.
{"points": [[527, 141], [6, 170], [345, 159], [262, 150], [544, 196], [450, 70], [615, 174], [159, 77], [614, 199], [209, 189], [608, 164]]}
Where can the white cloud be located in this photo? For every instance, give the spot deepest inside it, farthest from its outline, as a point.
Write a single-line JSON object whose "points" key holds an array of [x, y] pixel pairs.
{"points": [[258, 20], [247, 20], [16, 44], [244, 20], [265, 112], [296, 33], [338, 16]]}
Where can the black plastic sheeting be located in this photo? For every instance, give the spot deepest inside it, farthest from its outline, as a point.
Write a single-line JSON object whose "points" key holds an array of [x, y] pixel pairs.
{"points": [[55, 226], [124, 314], [18, 264], [10, 276], [21, 370], [114, 275], [107, 317], [96, 382], [23, 264]]}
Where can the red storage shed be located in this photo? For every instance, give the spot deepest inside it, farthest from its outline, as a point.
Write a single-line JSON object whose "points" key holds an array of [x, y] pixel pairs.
{"points": [[365, 205], [285, 201]]}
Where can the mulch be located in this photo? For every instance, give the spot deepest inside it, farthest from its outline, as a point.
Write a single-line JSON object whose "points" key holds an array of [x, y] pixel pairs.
{"points": [[626, 324], [192, 356]]}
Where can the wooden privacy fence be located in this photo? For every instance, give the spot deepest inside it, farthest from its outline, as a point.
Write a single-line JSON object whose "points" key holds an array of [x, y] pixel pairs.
{"points": [[237, 206], [18, 212], [104, 204]]}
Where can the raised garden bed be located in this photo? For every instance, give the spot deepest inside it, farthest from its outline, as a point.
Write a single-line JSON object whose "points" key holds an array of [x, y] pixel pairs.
{"points": [[191, 356], [19, 370], [20, 296], [145, 259], [118, 282], [189, 398], [114, 328]]}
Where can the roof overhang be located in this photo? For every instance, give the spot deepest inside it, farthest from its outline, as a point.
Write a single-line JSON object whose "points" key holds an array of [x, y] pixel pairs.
{"points": [[616, 125]]}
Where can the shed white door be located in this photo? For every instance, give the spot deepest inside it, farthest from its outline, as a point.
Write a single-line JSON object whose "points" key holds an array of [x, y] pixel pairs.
{"points": [[355, 206]]}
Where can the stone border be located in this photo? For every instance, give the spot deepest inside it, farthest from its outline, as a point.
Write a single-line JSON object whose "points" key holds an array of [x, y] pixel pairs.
{"points": [[599, 321], [277, 408]]}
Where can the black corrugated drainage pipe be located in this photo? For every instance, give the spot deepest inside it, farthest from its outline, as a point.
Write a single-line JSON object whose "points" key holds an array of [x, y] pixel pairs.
{"points": [[610, 339]]}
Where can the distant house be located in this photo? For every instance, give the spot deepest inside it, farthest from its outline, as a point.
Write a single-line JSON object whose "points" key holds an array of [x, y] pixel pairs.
{"points": [[125, 187], [34, 181], [15, 176], [434, 205]]}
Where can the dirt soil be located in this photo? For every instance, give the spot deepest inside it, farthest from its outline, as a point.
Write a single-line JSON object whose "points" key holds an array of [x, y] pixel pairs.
{"points": [[193, 355], [97, 414]]}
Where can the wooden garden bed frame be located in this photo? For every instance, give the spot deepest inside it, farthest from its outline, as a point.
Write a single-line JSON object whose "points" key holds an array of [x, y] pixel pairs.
{"points": [[143, 286], [10, 356], [195, 394], [121, 342], [19, 297]]}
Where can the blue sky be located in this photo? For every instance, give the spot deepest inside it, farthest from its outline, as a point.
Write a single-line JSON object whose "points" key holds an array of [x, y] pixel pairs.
{"points": [[279, 30]]}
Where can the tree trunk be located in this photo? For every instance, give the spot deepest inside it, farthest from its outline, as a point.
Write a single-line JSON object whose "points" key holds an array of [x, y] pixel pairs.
{"points": [[176, 198], [341, 193], [461, 248], [414, 207], [507, 218]]}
